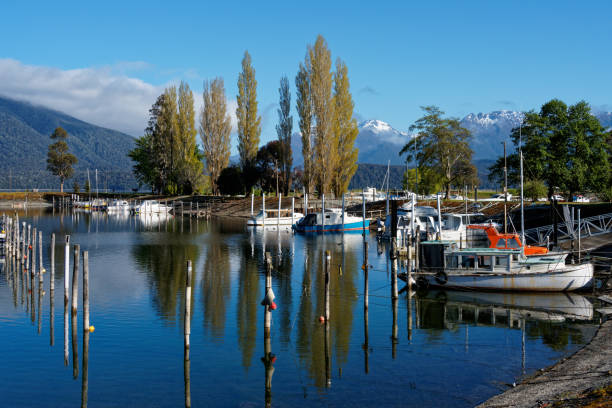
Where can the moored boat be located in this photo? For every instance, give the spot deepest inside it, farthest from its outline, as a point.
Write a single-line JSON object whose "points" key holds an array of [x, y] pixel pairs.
{"points": [[151, 207], [445, 265], [332, 220], [273, 218]]}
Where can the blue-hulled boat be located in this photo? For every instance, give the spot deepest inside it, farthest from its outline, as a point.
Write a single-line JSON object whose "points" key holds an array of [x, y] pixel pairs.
{"points": [[333, 222]]}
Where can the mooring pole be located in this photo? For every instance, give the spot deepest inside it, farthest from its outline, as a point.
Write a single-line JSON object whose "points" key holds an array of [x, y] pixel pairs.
{"points": [[187, 330], [75, 279], [327, 267]]}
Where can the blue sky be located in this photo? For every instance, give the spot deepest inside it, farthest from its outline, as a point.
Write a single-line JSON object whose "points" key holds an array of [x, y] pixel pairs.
{"points": [[469, 56]]}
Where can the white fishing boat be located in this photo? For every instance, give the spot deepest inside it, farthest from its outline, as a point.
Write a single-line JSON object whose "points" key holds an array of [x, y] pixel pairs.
{"points": [[331, 220], [273, 218], [151, 207], [443, 264], [118, 206]]}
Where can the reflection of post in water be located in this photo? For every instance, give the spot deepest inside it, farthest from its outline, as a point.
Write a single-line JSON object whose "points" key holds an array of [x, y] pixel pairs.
{"points": [[366, 345], [84, 377], [187, 325], [86, 329], [75, 346], [39, 304], [269, 305], [52, 292], [327, 317], [523, 344], [73, 314], [394, 295]]}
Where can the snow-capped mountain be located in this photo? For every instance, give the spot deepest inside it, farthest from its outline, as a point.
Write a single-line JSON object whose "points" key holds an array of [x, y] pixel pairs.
{"points": [[379, 142], [490, 130], [605, 118]]}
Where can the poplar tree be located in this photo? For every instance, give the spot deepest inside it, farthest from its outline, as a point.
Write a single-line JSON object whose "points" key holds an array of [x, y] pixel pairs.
{"points": [[215, 128], [304, 109], [323, 108], [189, 166], [249, 123], [166, 140], [345, 131], [283, 130], [59, 160]]}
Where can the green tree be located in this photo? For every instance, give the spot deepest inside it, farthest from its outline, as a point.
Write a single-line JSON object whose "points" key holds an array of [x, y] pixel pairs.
{"points": [[325, 149], [441, 144], [534, 189], [75, 187], [563, 146], [215, 128], [87, 186], [268, 159], [59, 160], [283, 130], [305, 113], [345, 131], [249, 123]]}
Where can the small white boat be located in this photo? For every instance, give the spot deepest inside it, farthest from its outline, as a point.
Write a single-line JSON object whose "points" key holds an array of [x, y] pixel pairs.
{"points": [[151, 207], [445, 265], [334, 221], [272, 218], [118, 206]]}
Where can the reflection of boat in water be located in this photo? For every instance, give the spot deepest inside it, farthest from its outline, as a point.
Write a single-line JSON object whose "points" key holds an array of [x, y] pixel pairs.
{"points": [[152, 219], [118, 206], [445, 265], [273, 218], [151, 207], [537, 306], [334, 221]]}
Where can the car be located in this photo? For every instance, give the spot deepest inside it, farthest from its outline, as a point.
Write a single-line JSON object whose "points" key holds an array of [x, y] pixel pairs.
{"points": [[557, 197]]}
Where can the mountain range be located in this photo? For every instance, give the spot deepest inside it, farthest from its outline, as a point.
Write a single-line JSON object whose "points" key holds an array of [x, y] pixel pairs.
{"points": [[25, 130], [24, 142]]}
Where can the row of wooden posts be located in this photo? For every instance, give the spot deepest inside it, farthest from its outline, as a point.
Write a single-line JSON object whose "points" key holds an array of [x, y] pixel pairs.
{"points": [[23, 250]]}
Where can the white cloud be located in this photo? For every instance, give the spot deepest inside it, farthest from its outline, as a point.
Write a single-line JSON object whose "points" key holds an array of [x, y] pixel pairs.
{"points": [[101, 96]]}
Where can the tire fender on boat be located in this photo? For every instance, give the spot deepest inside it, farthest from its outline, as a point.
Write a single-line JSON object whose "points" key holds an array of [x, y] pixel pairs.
{"points": [[441, 277]]}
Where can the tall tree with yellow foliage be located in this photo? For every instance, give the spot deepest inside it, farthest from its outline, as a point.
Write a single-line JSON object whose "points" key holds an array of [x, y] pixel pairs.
{"points": [[345, 131], [249, 123]]}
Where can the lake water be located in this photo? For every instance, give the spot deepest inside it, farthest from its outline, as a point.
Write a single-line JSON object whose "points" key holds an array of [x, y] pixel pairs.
{"points": [[430, 349]]}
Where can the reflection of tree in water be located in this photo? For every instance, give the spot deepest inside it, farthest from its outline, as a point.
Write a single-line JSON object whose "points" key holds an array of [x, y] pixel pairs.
{"points": [[249, 298], [165, 267], [343, 297], [555, 335], [215, 287]]}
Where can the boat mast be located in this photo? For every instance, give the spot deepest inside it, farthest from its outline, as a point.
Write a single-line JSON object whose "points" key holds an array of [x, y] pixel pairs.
{"points": [[89, 184], [505, 191], [522, 197]]}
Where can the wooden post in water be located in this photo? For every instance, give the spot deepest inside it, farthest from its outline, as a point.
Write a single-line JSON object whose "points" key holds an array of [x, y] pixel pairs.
{"points": [[323, 212], [66, 269], [280, 195], [52, 291], [363, 214], [263, 208], [268, 356], [292, 210], [267, 311], [33, 271], [327, 267], [75, 279], [393, 256], [252, 202], [86, 291], [40, 258], [187, 329]]}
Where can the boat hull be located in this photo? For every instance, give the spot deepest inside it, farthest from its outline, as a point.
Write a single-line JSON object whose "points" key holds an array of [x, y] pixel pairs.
{"points": [[272, 222], [350, 226], [569, 278]]}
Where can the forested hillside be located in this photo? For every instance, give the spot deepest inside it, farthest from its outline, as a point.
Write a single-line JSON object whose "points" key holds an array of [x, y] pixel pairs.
{"points": [[24, 140]]}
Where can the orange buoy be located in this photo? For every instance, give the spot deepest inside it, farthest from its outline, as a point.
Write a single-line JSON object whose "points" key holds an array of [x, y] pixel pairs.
{"points": [[321, 319], [273, 306], [91, 329]]}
